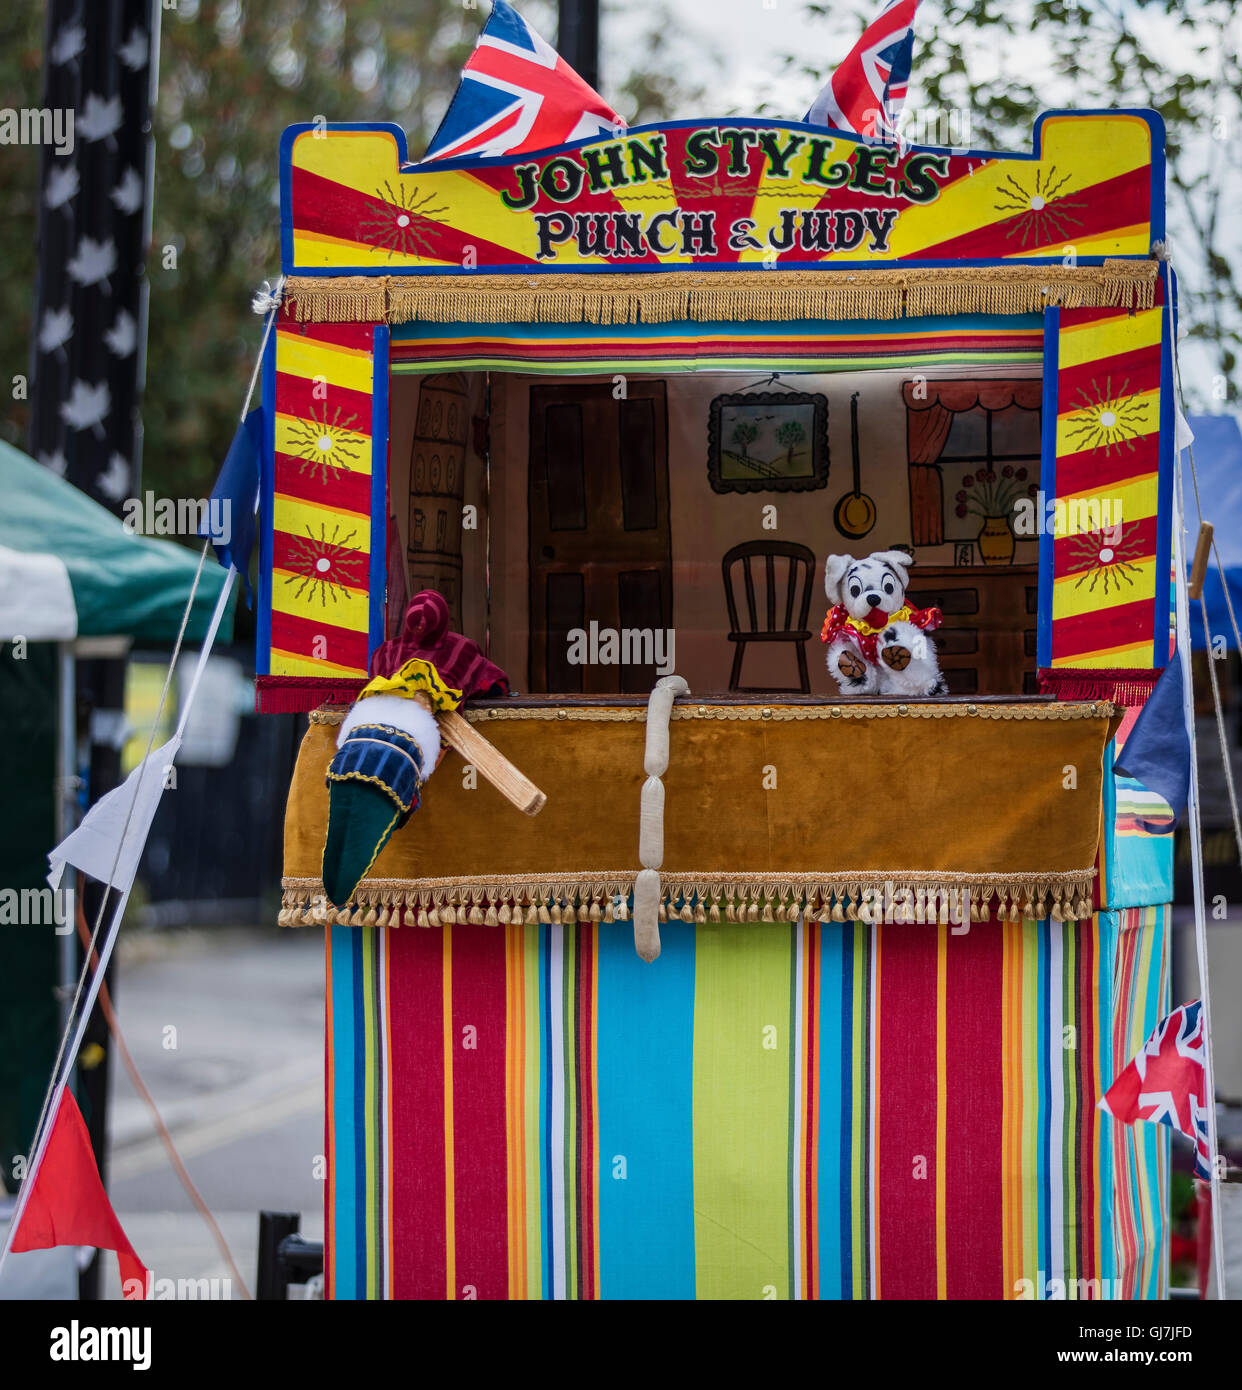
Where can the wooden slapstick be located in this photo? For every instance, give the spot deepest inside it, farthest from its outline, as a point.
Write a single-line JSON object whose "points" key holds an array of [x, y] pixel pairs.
{"points": [[491, 762], [1203, 551]]}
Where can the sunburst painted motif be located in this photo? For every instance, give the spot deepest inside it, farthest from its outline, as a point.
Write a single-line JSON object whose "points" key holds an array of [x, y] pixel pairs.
{"points": [[1111, 420], [325, 565], [398, 221], [323, 445], [1043, 214], [1106, 558]]}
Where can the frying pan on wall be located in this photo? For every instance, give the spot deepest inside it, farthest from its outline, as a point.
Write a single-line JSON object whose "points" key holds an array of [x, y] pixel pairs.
{"points": [[855, 512]]}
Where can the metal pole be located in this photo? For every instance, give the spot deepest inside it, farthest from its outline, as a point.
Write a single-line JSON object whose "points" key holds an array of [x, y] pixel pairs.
{"points": [[66, 817], [577, 37], [1194, 828], [274, 1226]]}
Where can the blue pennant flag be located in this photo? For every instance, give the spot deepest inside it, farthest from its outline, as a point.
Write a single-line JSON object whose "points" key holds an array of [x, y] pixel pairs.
{"points": [[229, 524], [1157, 753]]}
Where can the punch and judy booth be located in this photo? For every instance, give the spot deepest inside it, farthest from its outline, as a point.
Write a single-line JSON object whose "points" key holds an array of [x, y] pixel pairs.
{"points": [[616, 403]]}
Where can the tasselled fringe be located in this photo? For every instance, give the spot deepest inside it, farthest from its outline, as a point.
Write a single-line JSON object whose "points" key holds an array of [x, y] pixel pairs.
{"points": [[774, 296], [695, 901], [301, 694], [1120, 686]]}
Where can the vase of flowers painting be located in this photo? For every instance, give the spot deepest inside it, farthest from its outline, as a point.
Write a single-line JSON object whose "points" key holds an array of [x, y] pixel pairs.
{"points": [[991, 497]]}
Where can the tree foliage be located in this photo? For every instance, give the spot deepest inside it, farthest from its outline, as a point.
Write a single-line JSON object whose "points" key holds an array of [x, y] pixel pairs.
{"points": [[233, 75], [21, 79], [1001, 62]]}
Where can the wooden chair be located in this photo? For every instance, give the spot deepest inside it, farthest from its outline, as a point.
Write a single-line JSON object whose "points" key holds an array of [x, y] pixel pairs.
{"points": [[800, 570]]}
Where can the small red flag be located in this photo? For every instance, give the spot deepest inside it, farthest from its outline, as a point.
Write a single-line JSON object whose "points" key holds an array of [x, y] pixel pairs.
{"points": [[68, 1204]]}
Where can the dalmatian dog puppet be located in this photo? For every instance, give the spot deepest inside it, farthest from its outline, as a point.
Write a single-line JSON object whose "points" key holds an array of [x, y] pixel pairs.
{"points": [[876, 640]]}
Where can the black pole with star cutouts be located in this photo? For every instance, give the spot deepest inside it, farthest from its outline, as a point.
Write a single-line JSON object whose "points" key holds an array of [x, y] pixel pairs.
{"points": [[88, 357], [93, 228]]}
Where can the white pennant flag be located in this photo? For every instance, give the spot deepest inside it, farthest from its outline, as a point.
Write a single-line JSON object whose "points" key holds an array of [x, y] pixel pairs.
{"points": [[104, 845], [108, 844]]}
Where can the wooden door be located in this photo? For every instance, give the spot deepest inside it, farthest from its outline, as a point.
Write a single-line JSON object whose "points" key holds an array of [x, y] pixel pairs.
{"points": [[600, 548]]}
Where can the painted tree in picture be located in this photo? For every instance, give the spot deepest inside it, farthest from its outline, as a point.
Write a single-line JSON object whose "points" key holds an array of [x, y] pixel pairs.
{"points": [[745, 432], [789, 436]]}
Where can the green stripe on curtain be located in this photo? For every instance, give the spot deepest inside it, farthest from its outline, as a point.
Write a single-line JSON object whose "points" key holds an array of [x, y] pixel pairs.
{"points": [[743, 1056]]}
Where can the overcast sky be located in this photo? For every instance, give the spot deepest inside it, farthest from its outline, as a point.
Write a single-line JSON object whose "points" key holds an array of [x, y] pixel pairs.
{"points": [[736, 48]]}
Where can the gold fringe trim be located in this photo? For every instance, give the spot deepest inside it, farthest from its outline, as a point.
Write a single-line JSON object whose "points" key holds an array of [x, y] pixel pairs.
{"points": [[907, 896], [762, 296], [338, 298], [601, 714]]}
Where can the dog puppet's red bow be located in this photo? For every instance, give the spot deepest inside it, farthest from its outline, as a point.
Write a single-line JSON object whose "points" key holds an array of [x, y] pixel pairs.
{"points": [[838, 624]]}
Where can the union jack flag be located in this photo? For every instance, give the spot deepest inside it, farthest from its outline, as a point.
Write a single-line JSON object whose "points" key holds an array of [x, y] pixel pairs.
{"points": [[1167, 1082], [518, 94], [866, 93]]}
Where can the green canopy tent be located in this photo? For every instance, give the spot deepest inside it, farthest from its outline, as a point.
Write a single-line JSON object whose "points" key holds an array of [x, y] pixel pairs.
{"points": [[69, 570], [123, 584]]}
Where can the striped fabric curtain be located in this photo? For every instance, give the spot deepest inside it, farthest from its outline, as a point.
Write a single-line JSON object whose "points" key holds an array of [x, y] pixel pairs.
{"points": [[780, 1111]]}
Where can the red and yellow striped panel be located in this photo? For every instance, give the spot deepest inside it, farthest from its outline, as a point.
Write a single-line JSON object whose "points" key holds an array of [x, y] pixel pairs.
{"points": [[352, 207], [1107, 483], [321, 512]]}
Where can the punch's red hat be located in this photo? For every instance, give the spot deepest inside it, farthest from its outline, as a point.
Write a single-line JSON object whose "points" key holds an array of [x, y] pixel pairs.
{"points": [[425, 634]]}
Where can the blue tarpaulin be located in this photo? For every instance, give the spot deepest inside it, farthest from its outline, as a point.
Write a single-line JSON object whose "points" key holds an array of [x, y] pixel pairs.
{"points": [[1218, 464]]}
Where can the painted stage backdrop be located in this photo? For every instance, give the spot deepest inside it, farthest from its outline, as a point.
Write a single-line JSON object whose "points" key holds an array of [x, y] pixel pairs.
{"points": [[693, 479]]}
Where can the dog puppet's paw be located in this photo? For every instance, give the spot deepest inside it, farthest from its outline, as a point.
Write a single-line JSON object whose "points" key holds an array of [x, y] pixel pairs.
{"points": [[851, 672], [851, 666], [901, 644]]}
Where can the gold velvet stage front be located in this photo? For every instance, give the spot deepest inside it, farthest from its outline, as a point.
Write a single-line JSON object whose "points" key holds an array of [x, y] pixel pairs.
{"points": [[835, 810]]}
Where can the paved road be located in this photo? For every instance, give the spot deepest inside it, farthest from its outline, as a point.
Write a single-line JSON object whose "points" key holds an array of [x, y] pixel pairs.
{"points": [[226, 1028]]}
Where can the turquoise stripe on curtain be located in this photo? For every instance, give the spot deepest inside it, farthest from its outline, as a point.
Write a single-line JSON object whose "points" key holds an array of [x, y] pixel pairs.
{"points": [[345, 1174], [645, 1078], [836, 1026]]}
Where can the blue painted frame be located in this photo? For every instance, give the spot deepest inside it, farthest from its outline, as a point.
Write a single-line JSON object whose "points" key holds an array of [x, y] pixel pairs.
{"points": [[378, 577], [1047, 487], [267, 490], [1167, 461]]}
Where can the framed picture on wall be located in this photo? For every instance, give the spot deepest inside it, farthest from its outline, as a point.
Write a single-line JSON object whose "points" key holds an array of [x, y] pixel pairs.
{"points": [[769, 441]]}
